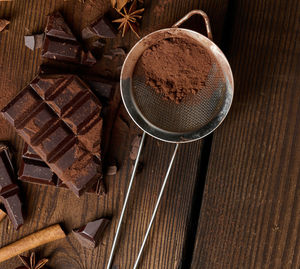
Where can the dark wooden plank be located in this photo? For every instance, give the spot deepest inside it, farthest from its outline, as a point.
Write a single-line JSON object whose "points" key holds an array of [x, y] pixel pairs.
{"points": [[46, 205], [251, 209]]}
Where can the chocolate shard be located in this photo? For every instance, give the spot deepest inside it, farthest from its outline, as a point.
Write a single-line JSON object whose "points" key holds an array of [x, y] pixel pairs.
{"points": [[57, 27], [61, 44], [34, 170], [59, 117], [9, 191], [90, 234], [34, 41], [102, 28]]}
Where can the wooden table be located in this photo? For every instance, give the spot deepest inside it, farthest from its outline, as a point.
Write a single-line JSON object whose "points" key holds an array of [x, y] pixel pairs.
{"points": [[233, 200]]}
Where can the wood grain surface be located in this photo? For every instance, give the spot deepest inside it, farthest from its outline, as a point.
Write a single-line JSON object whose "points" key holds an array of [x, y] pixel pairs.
{"points": [[251, 207], [45, 205]]}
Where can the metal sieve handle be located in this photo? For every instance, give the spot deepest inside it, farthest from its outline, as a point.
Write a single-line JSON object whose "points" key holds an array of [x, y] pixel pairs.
{"points": [[196, 12]]}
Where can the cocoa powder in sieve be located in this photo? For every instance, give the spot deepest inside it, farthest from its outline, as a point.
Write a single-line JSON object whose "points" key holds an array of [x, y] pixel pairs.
{"points": [[176, 67]]}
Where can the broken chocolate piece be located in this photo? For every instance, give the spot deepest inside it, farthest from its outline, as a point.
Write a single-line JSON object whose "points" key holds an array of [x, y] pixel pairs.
{"points": [[90, 234], [3, 24], [34, 41], [9, 191], [59, 117], [103, 88], [60, 43], [34, 170], [101, 28]]}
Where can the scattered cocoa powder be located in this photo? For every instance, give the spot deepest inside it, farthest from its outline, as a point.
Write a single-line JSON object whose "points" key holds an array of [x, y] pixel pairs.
{"points": [[175, 67]]}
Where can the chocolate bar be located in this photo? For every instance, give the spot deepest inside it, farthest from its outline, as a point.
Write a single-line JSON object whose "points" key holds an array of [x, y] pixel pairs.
{"points": [[34, 170], [60, 43], [90, 234], [9, 191], [59, 117]]}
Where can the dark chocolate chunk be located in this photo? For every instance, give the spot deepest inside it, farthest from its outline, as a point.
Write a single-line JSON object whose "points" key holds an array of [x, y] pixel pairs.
{"points": [[90, 234], [102, 28], [9, 191], [103, 88], [60, 43], [59, 117]]}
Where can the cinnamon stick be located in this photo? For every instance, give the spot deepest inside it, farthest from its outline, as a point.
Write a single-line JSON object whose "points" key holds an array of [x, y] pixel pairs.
{"points": [[31, 241], [2, 215]]}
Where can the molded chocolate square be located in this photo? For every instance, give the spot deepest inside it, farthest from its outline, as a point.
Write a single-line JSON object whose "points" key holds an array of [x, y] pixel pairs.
{"points": [[67, 95], [54, 141], [45, 86], [40, 120], [29, 153], [81, 115], [23, 104]]}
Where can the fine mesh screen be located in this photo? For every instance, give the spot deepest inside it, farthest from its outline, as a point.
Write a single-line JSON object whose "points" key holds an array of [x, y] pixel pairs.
{"points": [[191, 114]]}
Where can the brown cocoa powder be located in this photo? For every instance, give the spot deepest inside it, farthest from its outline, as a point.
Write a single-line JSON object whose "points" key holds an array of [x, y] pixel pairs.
{"points": [[175, 67]]}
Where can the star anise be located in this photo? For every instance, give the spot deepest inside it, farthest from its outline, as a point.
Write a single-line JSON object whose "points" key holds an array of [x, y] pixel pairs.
{"points": [[30, 262], [129, 19]]}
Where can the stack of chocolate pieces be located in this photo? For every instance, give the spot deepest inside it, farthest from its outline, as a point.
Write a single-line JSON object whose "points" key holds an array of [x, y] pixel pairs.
{"points": [[9, 190], [61, 44]]}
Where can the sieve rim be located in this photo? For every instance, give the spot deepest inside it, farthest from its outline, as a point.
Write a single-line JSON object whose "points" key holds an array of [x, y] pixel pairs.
{"points": [[154, 131]]}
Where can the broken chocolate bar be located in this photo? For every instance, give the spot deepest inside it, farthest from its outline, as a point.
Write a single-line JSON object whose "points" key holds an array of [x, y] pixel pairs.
{"points": [[60, 43], [101, 28], [9, 191], [59, 117], [34, 170], [90, 234]]}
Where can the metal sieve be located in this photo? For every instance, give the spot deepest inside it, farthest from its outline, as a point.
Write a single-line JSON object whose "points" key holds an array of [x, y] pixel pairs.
{"points": [[193, 118]]}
